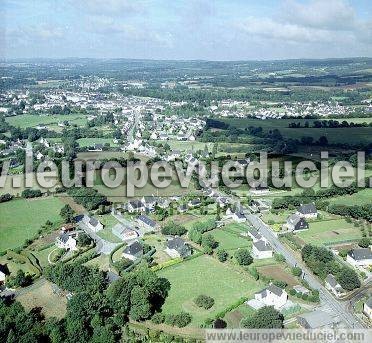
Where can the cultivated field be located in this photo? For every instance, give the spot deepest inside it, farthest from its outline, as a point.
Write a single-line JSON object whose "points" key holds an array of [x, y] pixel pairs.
{"points": [[22, 218], [205, 275]]}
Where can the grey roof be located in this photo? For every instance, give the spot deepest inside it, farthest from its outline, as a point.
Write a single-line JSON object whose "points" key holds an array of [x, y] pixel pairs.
{"points": [[331, 280], [148, 221], [4, 269], [307, 209], [175, 243], [195, 202], [136, 203], [317, 319], [149, 199], [63, 237], [293, 219], [361, 254], [275, 289], [254, 233], [262, 246], [93, 221], [134, 249], [111, 277]]}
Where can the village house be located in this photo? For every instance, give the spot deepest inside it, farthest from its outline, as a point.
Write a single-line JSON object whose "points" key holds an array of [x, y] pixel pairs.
{"points": [[149, 202], [176, 247], [259, 190], [308, 211], [237, 216], [367, 308], [124, 233], [182, 208], [194, 203], [92, 223], [296, 223], [301, 289], [133, 251], [254, 234], [272, 296], [333, 286], [360, 257], [4, 272], [135, 206], [261, 249], [146, 223], [66, 241]]}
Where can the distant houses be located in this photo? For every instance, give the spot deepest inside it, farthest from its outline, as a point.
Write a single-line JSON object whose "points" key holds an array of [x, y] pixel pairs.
{"points": [[176, 247], [135, 206]]}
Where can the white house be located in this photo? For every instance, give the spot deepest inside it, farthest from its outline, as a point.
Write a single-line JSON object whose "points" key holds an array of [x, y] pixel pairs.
{"points": [[135, 206], [133, 251], [66, 241], [296, 223], [367, 308], [92, 223], [3, 273], [254, 234], [332, 285], [308, 211], [272, 296], [146, 223], [361, 257], [124, 233], [237, 216], [261, 249], [176, 247], [149, 202]]}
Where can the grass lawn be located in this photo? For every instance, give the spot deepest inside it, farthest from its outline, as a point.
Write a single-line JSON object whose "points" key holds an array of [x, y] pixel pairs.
{"points": [[85, 142], [108, 222], [28, 120], [102, 262], [363, 197], [230, 241], [52, 305], [186, 145], [205, 275], [42, 255], [22, 218], [330, 231]]}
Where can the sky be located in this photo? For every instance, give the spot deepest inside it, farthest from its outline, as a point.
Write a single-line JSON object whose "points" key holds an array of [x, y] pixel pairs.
{"points": [[186, 29]]}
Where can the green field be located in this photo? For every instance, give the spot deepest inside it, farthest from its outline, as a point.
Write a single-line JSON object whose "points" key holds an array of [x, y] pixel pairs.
{"points": [[28, 120], [186, 145], [330, 231], [108, 222], [21, 219], [205, 275], [363, 197], [229, 240], [86, 142], [334, 135]]}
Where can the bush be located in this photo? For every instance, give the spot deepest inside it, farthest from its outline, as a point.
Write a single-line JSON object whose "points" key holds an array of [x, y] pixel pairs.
{"points": [[292, 292], [180, 320], [280, 283], [296, 271], [222, 255], [158, 318], [243, 257], [31, 193], [364, 242], [204, 301], [6, 197], [173, 229]]}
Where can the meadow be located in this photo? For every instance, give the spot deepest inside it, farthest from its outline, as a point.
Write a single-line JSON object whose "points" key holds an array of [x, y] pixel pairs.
{"points": [[229, 239], [330, 231], [28, 120], [21, 219], [205, 275]]}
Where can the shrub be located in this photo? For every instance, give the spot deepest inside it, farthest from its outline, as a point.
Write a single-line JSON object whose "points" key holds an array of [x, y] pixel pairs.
{"points": [[6, 197], [173, 229], [180, 320], [204, 301], [280, 283], [243, 257], [31, 193], [296, 271], [364, 242], [222, 255], [158, 318], [292, 292]]}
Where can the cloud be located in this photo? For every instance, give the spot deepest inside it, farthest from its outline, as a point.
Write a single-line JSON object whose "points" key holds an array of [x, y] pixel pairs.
{"points": [[110, 7], [319, 14]]}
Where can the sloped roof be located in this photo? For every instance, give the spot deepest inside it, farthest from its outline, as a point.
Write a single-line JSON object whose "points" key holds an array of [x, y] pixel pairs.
{"points": [[307, 209], [361, 254], [134, 249]]}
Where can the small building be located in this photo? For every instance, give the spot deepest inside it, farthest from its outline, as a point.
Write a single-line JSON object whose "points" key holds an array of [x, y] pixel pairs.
{"points": [[149, 202], [261, 249], [92, 223], [4, 272], [176, 247], [124, 233], [360, 257], [146, 223], [135, 206], [182, 208], [66, 241], [272, 296], [367, 308], [316, 320], [333, 286], [133, 251], [301, 289], [69, 227], [237, 216], [259, 190], [296, 223], [308, 211], [194, 203]]}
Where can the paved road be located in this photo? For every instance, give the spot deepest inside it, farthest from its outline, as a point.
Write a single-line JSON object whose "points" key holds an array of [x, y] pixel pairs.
{"points": [[102, 246], [338, 308]]}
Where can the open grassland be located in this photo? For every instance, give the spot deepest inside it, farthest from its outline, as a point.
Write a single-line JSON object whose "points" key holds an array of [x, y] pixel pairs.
{"points": [[205, 275], [87, 142], [186, 145], [334, 135], [22, 218], [363, 197], [229, 239], [108, 222], [330, 231], [28, 120], [41, 295]]}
